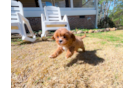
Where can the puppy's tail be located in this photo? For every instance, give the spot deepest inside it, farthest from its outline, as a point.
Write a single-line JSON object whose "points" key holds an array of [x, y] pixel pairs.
{"points": [[83, 36]]}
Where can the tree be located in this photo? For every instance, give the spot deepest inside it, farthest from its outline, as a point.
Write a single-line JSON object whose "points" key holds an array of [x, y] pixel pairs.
{"points": [[110, 10], [117, 13]]}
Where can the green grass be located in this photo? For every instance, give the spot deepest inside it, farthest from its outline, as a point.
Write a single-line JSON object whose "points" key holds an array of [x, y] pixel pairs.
{"points": [[94, 29], [118, 45], [111, 36], [49, 36], [48, 78], [16, 40], [103, 42], [84, 29]]}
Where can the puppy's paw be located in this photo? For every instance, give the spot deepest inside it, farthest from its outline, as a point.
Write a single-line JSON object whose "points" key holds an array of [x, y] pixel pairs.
{"points": [[51, 56], [65, 57]]}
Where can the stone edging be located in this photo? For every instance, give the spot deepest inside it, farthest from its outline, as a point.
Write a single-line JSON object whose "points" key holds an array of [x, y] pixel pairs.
{"points": [[94, 31]]}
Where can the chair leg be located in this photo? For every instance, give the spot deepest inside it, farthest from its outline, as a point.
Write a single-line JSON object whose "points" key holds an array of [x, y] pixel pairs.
{"points": [[68, 27], [24, 35], [29, 28], [23, 32], [43, 35]]}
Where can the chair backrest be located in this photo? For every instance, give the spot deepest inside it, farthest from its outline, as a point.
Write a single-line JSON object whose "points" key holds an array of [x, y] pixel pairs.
{"points": [[52, 13], [16, 7]]}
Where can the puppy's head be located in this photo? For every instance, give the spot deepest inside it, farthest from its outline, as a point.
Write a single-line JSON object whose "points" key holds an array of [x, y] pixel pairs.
{"points": [[63, 37]]}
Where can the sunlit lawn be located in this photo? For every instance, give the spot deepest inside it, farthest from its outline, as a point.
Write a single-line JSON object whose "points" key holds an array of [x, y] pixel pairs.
{"points": [[101, 66]]}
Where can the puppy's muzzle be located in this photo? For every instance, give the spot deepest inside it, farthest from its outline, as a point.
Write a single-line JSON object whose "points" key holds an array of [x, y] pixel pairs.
{"points": [[60, 41]]}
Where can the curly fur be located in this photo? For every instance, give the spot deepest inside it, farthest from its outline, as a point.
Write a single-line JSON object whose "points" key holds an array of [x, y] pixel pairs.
{"points": [[70, 43]]}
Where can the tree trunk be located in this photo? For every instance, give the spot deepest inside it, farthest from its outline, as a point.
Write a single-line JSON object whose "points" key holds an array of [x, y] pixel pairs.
{"points": [[108, 8]]}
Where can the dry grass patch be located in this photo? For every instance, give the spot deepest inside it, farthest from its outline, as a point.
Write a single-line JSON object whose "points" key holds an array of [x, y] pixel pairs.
{"points": [[101, 66]]}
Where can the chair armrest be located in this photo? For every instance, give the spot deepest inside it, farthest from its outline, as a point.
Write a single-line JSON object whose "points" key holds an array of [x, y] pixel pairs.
{"points": [[65, 18], [23, 18], [26, 22]]}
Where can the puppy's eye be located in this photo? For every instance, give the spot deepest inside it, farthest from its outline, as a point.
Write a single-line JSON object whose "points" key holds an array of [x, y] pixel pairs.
{"points": [[57, 36], [64, 36]]}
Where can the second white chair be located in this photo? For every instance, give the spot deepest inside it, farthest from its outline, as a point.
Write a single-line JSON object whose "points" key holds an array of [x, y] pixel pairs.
{"points": [[52, 20]]}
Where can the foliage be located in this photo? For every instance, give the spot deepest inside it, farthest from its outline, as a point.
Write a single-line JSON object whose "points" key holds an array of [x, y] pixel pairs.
{"points": [[106, 22], [110, 10]]}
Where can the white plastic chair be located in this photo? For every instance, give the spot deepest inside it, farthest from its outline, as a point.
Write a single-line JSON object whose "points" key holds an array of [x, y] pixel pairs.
{"points": [[18, 20], [52, 20]]}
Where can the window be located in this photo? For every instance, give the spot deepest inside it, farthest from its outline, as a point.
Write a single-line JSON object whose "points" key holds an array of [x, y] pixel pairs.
{"points": [[83, 3], [29, 3], [47, 3], [81, 16], [58, 3]]}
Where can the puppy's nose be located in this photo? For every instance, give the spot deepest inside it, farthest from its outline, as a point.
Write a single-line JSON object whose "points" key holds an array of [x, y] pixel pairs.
{"points": [[60, 41]]}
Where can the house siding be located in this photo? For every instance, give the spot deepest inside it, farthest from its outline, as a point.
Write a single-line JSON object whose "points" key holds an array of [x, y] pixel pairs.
{"points": [[74, 22], [77, 22]]}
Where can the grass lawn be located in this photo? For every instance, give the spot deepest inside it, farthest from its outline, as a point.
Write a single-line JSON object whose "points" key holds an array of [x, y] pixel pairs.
{"points": [[101, 66]]}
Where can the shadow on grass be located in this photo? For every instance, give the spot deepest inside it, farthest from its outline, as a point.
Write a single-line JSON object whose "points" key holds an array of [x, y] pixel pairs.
{"points": [[37, 41], [17, 42], [26, 42], [89, 57]]}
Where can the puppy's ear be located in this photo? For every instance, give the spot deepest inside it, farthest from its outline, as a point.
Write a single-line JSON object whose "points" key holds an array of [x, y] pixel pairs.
{"points": [[72, 36], [53, 37]]}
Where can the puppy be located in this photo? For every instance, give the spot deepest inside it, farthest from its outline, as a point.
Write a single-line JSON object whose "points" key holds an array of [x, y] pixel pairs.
{"points": [[67, 41]]}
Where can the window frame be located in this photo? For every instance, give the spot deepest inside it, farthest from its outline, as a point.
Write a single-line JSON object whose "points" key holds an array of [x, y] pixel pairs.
{"points": [[63, 8], [85, 7]]}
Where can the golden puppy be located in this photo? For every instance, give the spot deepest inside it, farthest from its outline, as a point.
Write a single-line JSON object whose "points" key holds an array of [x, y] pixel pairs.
{"points": [[67, 41]]}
